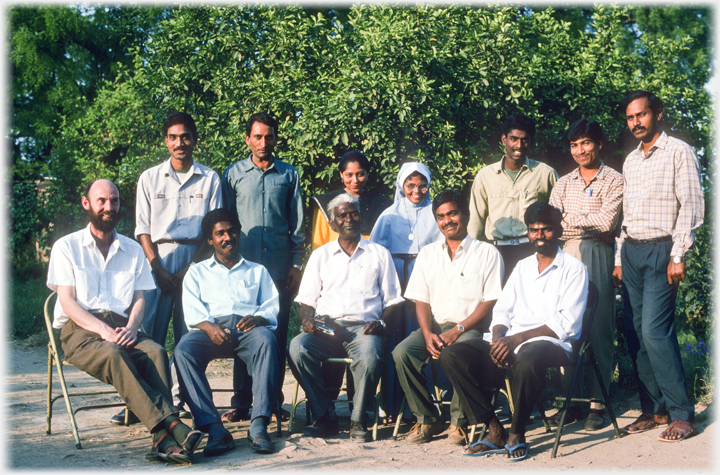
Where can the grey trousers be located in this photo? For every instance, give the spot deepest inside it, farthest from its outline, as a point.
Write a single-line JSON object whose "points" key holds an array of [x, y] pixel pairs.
{"points": [[257, 348], [599, 259], [410, 356], [308, 351], [140, 374]]}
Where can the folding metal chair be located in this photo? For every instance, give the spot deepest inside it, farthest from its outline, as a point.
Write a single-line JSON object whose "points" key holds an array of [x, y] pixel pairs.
{"points": [[54, 358], [296, 401]]}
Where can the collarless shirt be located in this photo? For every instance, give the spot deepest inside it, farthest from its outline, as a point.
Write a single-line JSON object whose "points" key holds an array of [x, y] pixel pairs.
{"points": [[100, 283], [589, 210], [351, 289], [455, 288], [663, 194], [172, 209], [498, 203], [269, 206], [211, 290], [555, 297]]}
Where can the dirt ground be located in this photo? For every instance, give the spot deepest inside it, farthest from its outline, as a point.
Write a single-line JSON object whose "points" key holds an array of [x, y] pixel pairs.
{"points": [[106, 447]]}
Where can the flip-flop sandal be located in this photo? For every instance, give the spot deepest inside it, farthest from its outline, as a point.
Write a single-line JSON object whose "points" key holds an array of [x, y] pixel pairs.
{"points": [[494, 449], [513, 449], [688, 431]]}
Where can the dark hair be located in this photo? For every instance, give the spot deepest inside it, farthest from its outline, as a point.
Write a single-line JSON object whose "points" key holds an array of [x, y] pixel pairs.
{"points": [[263, 118], [540, 212], [584, 128], [656, 105], [180, 118], [519, 122], [215, 216], [354, 157], [448, 196]]}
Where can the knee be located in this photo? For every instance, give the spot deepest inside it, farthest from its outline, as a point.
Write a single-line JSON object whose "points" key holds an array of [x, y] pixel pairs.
{"points": [[297, 348], [448, 356]]}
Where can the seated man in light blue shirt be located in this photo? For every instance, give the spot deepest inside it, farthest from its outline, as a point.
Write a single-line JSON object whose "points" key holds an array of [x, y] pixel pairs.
{"points": [[231, 308]]}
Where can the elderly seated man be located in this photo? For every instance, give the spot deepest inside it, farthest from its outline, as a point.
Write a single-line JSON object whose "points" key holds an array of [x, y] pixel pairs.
{"points": [[535, 320], [350, 285], [101, 278], [230, 307]]}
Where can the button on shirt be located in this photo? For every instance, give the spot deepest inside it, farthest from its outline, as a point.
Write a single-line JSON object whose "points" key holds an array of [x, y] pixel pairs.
{"points": [[351, 289], [211, 290], [100, 283], [556, 297], [454, 289], [498, 204], [168, 208], [269, 206], [589, 210], [663, 194]]}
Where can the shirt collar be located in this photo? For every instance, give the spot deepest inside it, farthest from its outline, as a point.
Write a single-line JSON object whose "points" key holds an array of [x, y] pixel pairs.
{"points": [[497, 167], [89, 241], [170, 171], [336, 246], [247, 165], [214, 262], [464, 244], [558, 262], [661, 142], [600, 175]]}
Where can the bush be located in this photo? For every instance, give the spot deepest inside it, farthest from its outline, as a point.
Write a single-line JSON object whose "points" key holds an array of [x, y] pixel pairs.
{"points": [[28, 297]]}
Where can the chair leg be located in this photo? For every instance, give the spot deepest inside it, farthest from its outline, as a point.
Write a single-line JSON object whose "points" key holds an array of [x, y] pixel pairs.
{"points": [[49, 392], [565, 407], [66, 396], [403, 405], [278, 417], [377, 409], [606, 399], [293, 407]]}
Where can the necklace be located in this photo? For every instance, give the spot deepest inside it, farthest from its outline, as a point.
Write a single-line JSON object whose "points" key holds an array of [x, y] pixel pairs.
{"points": [[411, 235]]}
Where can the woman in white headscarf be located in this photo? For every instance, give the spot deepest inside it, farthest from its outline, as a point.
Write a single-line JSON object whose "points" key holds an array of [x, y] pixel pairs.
{"points": [[404, 228]]}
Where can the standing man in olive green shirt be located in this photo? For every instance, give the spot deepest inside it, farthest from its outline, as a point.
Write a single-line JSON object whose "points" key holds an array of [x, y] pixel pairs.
{"points": [[503, 191]]}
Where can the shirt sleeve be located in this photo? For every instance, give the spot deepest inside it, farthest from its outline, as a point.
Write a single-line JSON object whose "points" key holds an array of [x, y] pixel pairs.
{"points": [[478, 210], [143, 275], [142, 206], [216, 196], [417, 288], [567, 320], [557, 197], [268, 300], [295, 220], [228, 192], [504, 308], [492, 287], [389, 284], [310, 285], [689, 193], [607, 218], [60, 269], [194, 309]]}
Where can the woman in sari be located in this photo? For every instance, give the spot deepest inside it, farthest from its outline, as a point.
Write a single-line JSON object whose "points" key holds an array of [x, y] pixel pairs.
{"points": [[405, 228]]}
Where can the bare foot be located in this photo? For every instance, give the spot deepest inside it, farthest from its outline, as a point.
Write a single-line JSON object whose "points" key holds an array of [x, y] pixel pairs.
{"points": [[677, 431], [489, 445], [516, 442]]}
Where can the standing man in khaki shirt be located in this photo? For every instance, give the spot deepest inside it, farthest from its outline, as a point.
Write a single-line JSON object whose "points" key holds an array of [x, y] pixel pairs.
{"points": [[503, 191]]}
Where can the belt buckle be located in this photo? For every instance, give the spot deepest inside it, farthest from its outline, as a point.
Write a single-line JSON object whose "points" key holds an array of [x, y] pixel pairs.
{"points": [[515, 241]]}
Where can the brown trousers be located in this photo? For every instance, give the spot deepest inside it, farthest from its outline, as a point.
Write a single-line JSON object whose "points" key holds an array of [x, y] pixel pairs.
{"points": [[141, 375]]}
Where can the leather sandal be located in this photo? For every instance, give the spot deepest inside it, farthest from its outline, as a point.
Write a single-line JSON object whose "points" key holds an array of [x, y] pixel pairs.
{"points": [[686, 430], [155, 455], [644, 423], [192, 441]]}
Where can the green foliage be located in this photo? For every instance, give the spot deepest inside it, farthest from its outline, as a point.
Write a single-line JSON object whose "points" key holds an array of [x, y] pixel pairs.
{"points": [[28, 298], [695, 306]]}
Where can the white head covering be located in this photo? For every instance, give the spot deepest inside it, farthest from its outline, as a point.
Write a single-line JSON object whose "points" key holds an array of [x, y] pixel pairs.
{"points": [[405, 171]]}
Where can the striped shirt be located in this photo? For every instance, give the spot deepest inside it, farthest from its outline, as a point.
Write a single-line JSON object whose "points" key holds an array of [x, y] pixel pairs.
{"points": [[589, 210], [663, 194]]}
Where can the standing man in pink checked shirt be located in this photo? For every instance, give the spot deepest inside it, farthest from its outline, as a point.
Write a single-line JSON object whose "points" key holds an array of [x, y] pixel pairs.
{"points": [[590, 199]]}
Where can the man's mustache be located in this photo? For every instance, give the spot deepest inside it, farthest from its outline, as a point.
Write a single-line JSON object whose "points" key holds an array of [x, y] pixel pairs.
{"points": [[637, 128]]}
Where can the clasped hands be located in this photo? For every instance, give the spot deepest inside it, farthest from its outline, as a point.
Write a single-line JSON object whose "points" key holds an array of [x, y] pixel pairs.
{"points": [[221, 335]]}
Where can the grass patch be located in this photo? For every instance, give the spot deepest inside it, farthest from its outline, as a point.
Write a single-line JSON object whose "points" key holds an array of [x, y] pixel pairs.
{"points": [[26, 309]]}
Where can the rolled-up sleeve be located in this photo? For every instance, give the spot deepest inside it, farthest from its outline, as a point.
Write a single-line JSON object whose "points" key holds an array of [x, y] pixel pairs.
{"points": [[142, 206], [310, 285]]}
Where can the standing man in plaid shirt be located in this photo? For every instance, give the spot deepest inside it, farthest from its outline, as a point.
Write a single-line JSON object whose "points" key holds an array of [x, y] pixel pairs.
{"points": [[663, 207], [590, 199]]}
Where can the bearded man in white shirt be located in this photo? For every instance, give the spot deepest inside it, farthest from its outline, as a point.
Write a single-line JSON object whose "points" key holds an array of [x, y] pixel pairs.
{"points": [[535, 320], [101, 278], [351, 285]]}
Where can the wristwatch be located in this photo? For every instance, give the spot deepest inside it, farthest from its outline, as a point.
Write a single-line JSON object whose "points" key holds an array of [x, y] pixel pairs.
{"points": [[677, 260], [382, 322], [461, 328], [298, 267]]}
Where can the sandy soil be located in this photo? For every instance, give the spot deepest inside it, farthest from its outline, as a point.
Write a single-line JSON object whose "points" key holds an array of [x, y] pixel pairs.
{"points": [[107, 447]]}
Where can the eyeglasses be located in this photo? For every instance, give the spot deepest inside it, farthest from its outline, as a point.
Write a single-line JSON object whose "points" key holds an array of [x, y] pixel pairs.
{"points": [[412, 186]]}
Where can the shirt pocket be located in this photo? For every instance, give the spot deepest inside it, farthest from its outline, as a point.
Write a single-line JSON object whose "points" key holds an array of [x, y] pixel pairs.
{"points": [[364, 280], [470, 286], [87, 284], [122, 286], [244, 292]]}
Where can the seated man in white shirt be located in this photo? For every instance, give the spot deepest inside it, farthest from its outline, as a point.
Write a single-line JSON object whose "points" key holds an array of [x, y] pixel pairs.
{"points": [[535, 320], [454, 284], [230, 307], [352, 284], [101, 278]]}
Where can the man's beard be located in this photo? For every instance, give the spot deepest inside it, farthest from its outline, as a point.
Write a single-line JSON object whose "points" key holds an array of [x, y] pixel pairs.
{"points": [[547, 250], [104, 225]]}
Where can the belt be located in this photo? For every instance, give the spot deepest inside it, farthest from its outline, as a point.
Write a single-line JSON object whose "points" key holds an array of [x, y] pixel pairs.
{"points": [[640, 242], [511, 242], [177, 241]]}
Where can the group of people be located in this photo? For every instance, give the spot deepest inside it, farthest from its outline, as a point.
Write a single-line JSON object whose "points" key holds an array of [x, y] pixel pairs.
{"points": [[481, 285]]}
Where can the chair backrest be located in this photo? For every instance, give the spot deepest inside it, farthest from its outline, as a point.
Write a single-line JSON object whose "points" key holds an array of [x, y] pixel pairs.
{"points": [[592, 299], [48, 311]]}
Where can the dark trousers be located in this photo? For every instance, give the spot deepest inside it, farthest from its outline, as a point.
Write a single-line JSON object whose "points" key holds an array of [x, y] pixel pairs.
{"points": [[652, 340], [511, 254], [474, 377], [141, 374]]}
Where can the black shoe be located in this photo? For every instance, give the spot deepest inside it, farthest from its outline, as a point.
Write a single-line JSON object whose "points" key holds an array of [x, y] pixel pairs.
{"points": [[261, 443], [595, 421], [119, 419], [325, 426], [218, 446], [358, 432], [574, 414]]}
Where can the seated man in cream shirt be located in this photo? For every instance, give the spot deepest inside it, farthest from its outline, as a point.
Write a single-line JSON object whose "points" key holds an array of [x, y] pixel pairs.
{"points": [[352, 284]]}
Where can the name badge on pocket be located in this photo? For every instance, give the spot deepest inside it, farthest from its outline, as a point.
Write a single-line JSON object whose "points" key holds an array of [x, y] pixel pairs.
{"points": [[160, 196], [199, 195]]}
